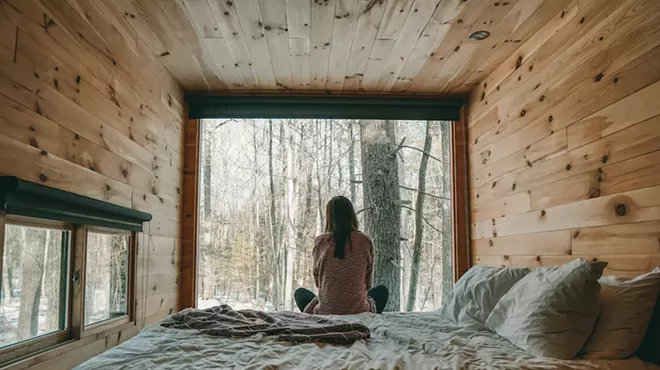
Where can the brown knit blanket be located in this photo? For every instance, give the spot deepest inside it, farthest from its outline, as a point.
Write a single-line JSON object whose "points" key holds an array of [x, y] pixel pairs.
{"points": [[290, 326]]}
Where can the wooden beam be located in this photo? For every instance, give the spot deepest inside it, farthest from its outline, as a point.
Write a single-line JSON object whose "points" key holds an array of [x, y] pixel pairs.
{"points": [[461, 206], [189, 214]]}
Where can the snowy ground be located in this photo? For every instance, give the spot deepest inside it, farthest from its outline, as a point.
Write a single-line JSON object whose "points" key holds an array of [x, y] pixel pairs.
{"points": [[233, 303], [9, 321]]}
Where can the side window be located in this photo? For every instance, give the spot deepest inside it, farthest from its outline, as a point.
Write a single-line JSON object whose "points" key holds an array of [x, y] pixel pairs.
{"points": [[67, 268], [106, 276], [60, 282], [34, 294]]}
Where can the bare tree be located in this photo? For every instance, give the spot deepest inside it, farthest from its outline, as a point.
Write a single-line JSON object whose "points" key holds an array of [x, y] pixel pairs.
{"points": [[206, 176], [351, 163], [447, 249], [53, 261], [32, 258], [380, 178], [419, 220], [290, 220], [273, 219]]}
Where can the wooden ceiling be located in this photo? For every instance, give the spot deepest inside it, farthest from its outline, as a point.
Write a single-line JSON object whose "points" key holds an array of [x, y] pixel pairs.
{"points": [[390, 46]]}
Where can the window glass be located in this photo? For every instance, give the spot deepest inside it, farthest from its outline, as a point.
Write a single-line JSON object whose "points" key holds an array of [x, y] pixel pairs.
{"points": [[264, 185], [33, 291], [106, 277]]}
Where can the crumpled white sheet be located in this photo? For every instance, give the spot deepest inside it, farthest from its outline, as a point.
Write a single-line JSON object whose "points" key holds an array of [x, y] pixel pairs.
{"points": [[398, 341]]}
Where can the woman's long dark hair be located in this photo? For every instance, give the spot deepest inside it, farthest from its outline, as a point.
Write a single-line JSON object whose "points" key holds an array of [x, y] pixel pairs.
{"points": [[340, 220]]}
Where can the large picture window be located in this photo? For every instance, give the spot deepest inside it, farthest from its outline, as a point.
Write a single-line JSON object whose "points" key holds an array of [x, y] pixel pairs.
{"points": [[264, 184]]}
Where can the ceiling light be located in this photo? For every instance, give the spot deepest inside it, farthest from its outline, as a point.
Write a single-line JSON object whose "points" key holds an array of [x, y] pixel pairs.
{"points": [[479, 35]]}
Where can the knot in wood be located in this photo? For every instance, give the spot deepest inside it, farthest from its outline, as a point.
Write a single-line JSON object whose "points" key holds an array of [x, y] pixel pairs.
{"points": [[621, 209]]}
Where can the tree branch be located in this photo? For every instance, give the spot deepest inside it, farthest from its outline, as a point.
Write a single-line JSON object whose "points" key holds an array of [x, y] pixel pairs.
{"points": [[422, 192], [409, 188], [398, 147], [426, 221], [421, 151], [362, 210]]}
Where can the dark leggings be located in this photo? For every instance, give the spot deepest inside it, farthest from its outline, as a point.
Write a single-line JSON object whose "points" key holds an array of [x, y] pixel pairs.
{"points": [[379, 294]]}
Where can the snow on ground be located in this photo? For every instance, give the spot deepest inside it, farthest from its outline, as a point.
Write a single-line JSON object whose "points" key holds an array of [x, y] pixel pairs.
{"points": [[233, 303], [9, 310]]}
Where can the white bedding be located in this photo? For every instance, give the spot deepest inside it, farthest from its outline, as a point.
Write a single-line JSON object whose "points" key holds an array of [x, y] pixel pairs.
{"points": [[398, 341]]}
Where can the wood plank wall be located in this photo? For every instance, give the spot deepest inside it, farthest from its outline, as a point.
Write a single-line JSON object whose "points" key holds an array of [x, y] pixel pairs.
{"points": [[85, 107], [564, 143]]}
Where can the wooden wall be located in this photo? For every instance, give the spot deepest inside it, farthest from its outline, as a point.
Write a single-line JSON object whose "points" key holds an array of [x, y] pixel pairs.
{"points": [[85, 107], [564, 143]]}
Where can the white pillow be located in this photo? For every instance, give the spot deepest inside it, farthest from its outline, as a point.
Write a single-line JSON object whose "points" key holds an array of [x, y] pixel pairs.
{"points": [[552, 310], [476, 293], [626, 306]]}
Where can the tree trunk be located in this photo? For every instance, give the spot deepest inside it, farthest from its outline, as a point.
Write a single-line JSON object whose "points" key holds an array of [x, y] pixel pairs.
{"points": [[447, 248], [419, 221], [12, 259], [117, 274], [382, 203], [351, 163], [32, 257], [52, 280], [321, 220], [273, 218], [255, 234], [290, 221], [206, 184], [328, 161]]}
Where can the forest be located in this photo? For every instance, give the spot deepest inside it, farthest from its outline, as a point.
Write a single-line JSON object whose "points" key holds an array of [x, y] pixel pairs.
{"points": [[264, 184]]}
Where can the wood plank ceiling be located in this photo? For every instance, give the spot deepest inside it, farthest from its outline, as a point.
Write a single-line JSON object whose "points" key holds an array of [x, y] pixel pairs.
{"points": [[389, 46]]}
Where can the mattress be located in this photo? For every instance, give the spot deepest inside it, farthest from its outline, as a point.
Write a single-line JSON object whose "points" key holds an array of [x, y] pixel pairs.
{"points": [[398, 341]]}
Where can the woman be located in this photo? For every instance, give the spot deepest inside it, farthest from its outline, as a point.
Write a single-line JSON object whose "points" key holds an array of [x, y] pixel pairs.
{"points": [[343, 267]]}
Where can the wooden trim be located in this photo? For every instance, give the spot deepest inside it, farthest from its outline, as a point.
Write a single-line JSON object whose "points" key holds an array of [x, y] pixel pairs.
{"points": [[461, 207], [78, 282], [104, 325], [109, 231], [29, 347], [3, 221], [39, 223], [189, 215], [44, 354]]}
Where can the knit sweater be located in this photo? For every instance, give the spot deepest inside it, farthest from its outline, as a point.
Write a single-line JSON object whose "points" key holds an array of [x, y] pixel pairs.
{"points": [[343, 283]]}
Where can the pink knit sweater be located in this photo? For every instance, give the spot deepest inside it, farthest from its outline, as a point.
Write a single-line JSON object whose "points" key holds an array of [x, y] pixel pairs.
{"points": [[343, 284]]}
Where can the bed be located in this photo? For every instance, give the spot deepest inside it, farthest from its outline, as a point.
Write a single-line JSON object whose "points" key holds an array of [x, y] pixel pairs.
{"points": [[398, 341]]}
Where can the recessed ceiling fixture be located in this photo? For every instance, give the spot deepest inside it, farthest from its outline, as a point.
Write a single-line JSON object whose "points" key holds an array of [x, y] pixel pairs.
{"points": [[479, 35]]}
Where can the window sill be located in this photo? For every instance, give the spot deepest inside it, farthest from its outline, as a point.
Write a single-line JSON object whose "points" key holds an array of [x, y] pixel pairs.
{"points": [[105, 325], [73, 344]]}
